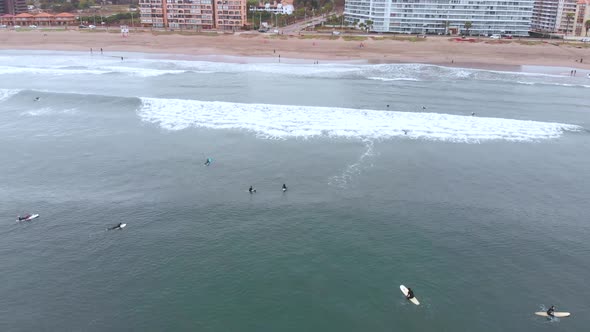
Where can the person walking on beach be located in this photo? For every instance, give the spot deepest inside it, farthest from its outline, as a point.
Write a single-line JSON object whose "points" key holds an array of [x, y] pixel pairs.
{"points": [[101, 51], [91, 50]]}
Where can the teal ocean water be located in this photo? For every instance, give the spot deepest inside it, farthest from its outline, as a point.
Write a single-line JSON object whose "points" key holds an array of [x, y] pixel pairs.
{"points": [[484, 216]]}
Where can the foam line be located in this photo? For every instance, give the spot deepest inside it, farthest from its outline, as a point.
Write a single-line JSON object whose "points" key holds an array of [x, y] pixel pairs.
{"points": [[286, 121]]}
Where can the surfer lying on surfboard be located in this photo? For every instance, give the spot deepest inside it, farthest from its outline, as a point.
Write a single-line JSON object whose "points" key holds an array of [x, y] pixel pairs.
{"points": [[252, 190], [208, 161], [410, 294], [551, 311], [119, 226]]}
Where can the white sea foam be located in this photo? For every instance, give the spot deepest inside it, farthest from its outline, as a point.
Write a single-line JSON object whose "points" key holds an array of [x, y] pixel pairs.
{"points": [[393, 79], [69, 70], [49, 111], [284, 121], [7, 93], [354, 169]]}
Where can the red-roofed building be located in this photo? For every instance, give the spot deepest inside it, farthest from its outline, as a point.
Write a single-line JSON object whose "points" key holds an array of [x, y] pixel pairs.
{"points": [[64, 19], [24, 19], [43, 19], [7, 19]]}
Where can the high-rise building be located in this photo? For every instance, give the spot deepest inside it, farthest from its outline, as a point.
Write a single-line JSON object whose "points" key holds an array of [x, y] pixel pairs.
{"points": [[442, 16], [545, 16], [565, 16], [230, 15], [194, 14], [581, 17], [13, 7]]}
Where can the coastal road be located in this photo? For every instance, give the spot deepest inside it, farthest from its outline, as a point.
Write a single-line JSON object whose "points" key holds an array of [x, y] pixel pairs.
{"points": [[296, 27]]}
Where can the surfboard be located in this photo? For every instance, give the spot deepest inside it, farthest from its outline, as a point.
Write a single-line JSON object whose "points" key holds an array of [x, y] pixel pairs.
{"points": [[558, 314], [405, 292], [123, 225]]}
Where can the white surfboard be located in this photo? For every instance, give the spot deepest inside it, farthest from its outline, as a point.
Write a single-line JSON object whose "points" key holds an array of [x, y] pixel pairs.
{"points": [[123, 225], [405, 292], [558, 314]]}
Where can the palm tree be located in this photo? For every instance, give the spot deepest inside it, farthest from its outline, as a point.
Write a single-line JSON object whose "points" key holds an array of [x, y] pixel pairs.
{"points": [[587, 26], [362, 26], [468, 26], [569, 17]]}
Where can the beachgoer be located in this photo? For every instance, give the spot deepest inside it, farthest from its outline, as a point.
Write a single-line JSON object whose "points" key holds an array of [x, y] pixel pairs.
{"points": [[284, 187]]}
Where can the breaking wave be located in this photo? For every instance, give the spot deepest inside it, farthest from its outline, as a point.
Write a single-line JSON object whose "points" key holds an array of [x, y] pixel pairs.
{"points": [[7, 93], [290, 121]]}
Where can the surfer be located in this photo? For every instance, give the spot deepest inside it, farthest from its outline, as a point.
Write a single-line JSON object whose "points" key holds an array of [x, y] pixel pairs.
{"points": [[551, 311], [24, 218], [116, 227], [37, 98], [252, 190], [208, 161], [410, 294], [472, 113], [284, 187], [405, 131]]}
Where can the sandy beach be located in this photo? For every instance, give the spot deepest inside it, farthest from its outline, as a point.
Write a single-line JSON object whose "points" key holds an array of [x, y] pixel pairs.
{"points": [[481, 53]]}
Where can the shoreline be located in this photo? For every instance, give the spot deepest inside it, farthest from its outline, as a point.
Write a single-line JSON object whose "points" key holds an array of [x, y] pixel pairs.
{"points": [[259, 48]]}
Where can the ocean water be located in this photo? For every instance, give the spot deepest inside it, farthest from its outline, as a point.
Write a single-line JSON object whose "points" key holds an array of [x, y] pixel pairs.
{"points": [[485, 216]]}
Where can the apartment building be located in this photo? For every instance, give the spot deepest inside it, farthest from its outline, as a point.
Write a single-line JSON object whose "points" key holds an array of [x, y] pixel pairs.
{"points": [[582, 16], [564, 24], [545, 16], [442, 16], [226, 15], [13, 7]]}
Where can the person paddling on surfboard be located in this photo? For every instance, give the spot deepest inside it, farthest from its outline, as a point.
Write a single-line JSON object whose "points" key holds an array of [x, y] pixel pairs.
{"points": [[410, 294], [252, 190], [284, 187], [208, 161], [551, 311], [27, 216], [116, 227]]}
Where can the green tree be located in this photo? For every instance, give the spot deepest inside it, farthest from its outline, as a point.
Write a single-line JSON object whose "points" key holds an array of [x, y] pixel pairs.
{"points": [[468, 26], [587, 26], [369, 25]]}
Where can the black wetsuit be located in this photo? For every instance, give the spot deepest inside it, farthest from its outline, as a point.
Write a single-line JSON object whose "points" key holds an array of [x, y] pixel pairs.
{"points": [[551, 311], [116, 227], [410, 294], [284, 187]]}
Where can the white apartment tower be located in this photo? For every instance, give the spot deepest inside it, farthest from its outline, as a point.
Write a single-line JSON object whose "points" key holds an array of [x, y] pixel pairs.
{"points": [[442, 16]]}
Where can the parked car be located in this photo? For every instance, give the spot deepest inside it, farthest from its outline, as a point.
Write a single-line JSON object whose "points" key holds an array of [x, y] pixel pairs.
{"points": [[495, 37], [83, 27], [3, 26], [32, 27], [17, 27], [92, 26], [586, 40]]}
